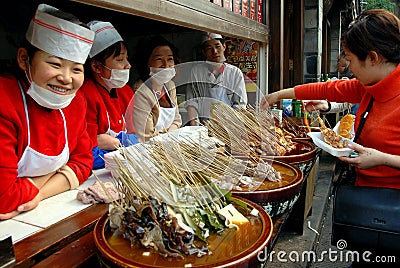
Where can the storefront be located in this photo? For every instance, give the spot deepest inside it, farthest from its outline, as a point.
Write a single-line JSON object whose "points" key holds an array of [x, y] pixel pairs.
{"points": [[242, 23], [246, 33]]}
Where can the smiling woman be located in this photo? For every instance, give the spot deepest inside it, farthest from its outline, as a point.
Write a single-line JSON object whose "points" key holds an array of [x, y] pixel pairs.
{"points": [[154, 107], [46, 147], [376, 66], [67, 76]]}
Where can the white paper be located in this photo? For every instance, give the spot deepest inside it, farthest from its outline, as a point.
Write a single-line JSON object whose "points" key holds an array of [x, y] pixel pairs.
{"points": [[17, 230], [53, 209]]}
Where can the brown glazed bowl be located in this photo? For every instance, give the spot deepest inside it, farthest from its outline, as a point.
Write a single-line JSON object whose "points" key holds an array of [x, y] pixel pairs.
{"points": [[244, 248], [277, 197], [303, 156], [304, 152]]}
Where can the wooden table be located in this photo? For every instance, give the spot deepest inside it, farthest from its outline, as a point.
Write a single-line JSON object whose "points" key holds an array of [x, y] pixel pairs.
{"points": [[67, 243]]}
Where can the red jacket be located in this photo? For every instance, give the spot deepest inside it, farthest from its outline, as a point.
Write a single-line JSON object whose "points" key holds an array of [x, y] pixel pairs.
{"points": [[99, 102], [381, 130], [47, 137]]}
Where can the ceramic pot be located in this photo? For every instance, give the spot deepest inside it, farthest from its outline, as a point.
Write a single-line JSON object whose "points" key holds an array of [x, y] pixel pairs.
{"points": [[243, 248], [277, 197], [303, 156]]}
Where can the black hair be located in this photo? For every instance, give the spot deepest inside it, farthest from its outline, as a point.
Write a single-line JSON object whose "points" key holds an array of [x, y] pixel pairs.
{"points": [[374, 30], [203, 46], [144, 49], [113, 50]]}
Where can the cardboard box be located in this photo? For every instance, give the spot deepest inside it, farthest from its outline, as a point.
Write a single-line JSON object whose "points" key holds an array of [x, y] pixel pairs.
{"points": [[286, 106], [278, 114]]}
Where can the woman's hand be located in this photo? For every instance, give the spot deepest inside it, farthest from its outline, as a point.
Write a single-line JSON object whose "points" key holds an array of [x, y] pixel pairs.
{"points": [[269, 100], [367, 157], [24, 207], [107, 142], [172, 127], [314, 105]]}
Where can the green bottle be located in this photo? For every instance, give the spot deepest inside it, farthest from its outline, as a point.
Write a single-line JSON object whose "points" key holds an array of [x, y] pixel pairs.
{"points": [[297, 107]]}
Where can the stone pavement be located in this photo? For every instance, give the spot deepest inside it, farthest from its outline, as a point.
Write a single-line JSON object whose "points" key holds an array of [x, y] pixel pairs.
{"points": [[315, 240]]}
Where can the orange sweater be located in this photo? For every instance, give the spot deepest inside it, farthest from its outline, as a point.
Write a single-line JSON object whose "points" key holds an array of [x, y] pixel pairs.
{"points": [[381, 130]]}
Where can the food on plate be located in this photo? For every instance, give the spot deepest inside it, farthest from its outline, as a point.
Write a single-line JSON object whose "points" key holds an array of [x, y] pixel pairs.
{"points": [[331, 137], [345, 125]]}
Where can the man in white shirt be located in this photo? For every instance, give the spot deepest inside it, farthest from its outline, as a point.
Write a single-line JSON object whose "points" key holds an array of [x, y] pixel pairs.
{"points": [[213, 81]]}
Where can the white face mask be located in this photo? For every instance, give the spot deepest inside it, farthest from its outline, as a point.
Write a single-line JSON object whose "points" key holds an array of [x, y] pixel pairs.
{"points": [[118, 78], [162, 75], [49, 99], [45, 97]]}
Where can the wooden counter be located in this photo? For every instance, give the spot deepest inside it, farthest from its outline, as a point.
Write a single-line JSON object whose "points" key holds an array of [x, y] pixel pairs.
{"points": [[71, 233]]}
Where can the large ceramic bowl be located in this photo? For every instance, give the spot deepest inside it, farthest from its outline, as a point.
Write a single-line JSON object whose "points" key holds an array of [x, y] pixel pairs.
{"points": [[234, 248], [277, 197], [303, 156]]}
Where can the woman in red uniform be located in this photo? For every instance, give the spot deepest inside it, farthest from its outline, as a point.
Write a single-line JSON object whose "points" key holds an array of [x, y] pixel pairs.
{"points": [[45, 147], [106, 92]]}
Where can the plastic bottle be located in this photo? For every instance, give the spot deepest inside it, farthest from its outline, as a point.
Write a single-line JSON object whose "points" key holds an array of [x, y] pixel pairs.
{"points": [[297, 107]]}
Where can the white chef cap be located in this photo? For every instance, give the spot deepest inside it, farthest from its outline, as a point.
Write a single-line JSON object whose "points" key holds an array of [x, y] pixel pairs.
{"points": [[209, 36], [106, 35], [59, 37]]}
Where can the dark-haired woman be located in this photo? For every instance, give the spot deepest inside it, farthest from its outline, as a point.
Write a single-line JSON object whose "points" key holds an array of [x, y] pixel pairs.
{"points": [[106, 91], [154, 108], [45, 147], [372, 46]]}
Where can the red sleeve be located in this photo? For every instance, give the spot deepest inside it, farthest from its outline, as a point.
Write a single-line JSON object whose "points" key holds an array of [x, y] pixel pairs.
{"points": [[337, 91], [93, 115], [14, 191]]}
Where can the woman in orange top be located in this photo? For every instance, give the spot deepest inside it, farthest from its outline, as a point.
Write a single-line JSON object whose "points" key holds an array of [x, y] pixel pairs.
{"points": [[376, 66]]}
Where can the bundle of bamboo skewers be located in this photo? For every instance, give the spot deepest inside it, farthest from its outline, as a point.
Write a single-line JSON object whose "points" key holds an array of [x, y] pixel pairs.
{"points": [[182, 172], [247, 132]]}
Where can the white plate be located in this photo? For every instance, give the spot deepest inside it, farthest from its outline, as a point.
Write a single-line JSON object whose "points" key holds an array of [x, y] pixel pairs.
{"points": [[319, 141]]}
